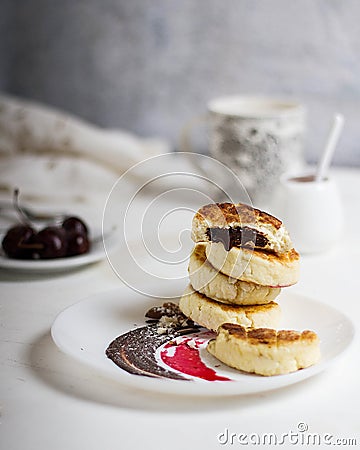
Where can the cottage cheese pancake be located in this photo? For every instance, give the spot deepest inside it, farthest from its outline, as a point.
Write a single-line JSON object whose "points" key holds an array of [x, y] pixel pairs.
{"points": [[240, 225], [265, 351], [264, 268], [211, 314], [209, 281]]}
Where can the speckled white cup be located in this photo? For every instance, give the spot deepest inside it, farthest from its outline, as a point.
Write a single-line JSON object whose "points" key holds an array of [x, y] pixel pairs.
{"points": [[259, 138]]}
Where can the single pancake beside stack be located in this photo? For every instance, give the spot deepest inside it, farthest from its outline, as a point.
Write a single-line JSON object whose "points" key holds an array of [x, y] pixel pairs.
{"points": [[241, 259]]}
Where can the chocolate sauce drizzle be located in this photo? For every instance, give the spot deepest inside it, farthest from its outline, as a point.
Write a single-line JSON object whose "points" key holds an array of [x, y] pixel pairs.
{"points": [[135, 350], [237, 237]]}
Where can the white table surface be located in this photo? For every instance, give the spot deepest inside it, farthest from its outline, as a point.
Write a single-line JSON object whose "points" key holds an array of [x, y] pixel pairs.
{"points": [[49, 401]]}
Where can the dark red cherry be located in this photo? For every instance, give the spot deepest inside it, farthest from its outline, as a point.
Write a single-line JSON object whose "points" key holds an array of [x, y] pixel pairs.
{"points": [[75, 225], [51, 243], [77, 244], [16, 242]]}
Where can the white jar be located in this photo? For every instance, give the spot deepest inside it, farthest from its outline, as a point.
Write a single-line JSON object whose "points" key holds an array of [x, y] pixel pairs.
{"points": [[311, 211]]}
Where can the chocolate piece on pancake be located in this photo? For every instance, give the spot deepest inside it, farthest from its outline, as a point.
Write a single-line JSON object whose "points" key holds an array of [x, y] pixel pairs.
{"points": [[240, 225]]}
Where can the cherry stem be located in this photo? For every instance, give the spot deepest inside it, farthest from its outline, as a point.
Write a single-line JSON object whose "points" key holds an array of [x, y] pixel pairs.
{"points": [[23, 217]]}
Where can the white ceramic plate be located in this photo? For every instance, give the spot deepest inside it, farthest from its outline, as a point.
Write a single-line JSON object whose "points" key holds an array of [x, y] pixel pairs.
{"points": [[85, 330], [96, 253]]}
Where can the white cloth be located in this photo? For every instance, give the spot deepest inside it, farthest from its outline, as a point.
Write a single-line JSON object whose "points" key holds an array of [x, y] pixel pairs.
{"points": [[59, 160]]}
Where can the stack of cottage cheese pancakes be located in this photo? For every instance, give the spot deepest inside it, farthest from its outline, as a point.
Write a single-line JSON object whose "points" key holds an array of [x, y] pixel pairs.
{"points": [[241, 260]]}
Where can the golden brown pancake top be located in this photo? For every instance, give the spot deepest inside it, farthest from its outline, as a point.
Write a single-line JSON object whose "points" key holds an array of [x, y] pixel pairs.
{"points": [[227, 213], [267, 335]]}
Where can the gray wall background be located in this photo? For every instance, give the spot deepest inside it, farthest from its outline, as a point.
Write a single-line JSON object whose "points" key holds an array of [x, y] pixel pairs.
{"points": [[149, 66]]}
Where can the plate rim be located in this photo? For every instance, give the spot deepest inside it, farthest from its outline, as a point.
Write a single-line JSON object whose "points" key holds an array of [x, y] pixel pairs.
{"points": [[196, 387]]}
